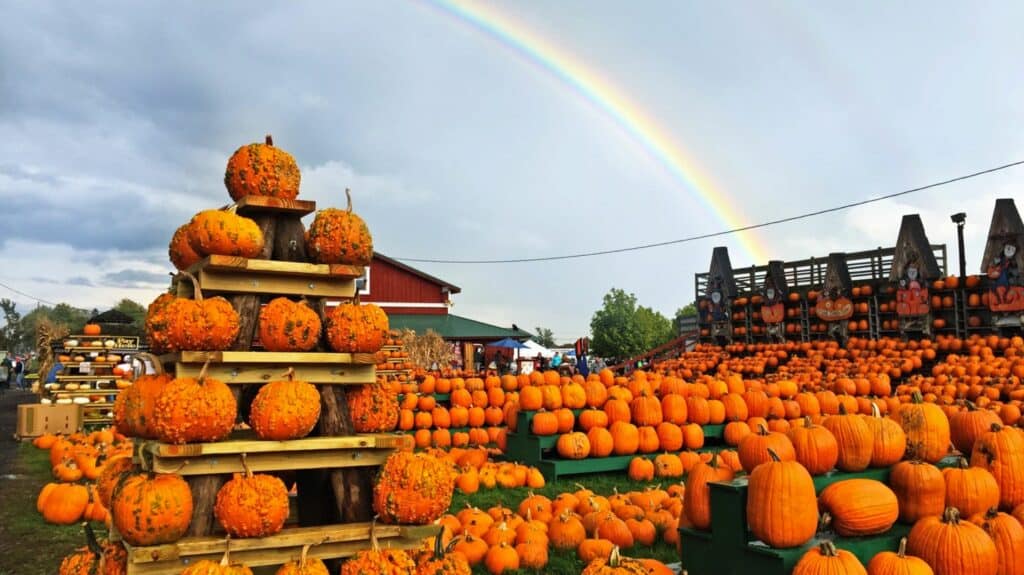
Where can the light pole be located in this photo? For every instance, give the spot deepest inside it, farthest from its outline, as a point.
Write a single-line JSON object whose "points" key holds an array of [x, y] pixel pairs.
{"points": [[959, 219]]}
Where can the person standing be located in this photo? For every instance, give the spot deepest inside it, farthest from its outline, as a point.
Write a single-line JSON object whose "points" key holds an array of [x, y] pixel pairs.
{"points": [[19, 373], [556, 361]]}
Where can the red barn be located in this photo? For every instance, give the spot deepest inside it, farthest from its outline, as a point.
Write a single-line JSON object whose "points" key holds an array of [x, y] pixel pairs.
{"points": [[419, 301]]}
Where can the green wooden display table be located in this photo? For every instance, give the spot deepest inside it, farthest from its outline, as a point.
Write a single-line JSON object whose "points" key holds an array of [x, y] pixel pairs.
{"points": [[730, 548]]}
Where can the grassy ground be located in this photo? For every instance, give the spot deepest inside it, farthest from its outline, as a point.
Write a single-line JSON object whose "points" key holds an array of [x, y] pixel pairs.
{"points": [[28, 545], [565, 563]]}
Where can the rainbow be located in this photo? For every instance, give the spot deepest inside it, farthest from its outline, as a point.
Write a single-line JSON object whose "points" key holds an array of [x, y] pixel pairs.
{"points": [[613, 103]]}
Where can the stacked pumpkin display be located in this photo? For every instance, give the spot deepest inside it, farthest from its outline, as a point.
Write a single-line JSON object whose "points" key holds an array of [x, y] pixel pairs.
{"points": [[152, 509]]}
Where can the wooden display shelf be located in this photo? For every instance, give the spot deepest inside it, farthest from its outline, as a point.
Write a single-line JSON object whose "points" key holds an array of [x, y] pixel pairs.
{"points": [[328, 542], [392, 348], [83, 391], [264, 204], [254, 367], [229, 274], [97, 405], [365, 450], [109, 378], [394, 371]]}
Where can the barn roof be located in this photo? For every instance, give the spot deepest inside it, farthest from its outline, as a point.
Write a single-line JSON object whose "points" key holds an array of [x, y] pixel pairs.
{"points": [[451, 326], [452, 288]]}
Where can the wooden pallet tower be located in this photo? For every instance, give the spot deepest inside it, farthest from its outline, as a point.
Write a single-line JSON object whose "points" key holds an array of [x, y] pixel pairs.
{"points": [[333, 468]]}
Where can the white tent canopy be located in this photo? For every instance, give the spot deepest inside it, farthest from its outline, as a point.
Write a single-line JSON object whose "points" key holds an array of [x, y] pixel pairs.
{"points": [[532, 348]]}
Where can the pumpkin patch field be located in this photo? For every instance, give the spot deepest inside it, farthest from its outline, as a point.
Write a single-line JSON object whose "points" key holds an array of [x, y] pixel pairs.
{"points": [[278, 427]]}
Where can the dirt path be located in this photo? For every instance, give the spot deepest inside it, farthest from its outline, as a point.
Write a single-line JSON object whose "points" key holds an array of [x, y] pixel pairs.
{"points": [[9, 401]]}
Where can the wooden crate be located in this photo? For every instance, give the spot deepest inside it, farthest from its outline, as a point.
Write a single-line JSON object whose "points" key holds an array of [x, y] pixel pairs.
{"points": [[328, 542], [237, 275]]}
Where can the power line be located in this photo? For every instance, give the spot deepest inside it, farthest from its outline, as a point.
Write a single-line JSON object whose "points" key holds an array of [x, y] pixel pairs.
{"points": [[719, 233], [29, 296]]}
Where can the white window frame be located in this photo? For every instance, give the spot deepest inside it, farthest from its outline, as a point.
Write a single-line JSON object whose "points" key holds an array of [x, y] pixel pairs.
{"points": [[365, 290]]}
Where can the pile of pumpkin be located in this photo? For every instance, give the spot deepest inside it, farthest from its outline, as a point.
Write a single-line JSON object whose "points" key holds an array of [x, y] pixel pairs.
{"points": [[476, 412], [591, 525], [78, 461], [783, 508], [477, 470]]}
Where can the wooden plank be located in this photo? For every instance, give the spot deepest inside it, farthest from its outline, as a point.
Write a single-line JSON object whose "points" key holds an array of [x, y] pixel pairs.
{"points": [[327, 543], [265, 462], [289, 537], [283, 358], [241, 281], [241, 374], [278, 267], [262, 204], [251, 446]]}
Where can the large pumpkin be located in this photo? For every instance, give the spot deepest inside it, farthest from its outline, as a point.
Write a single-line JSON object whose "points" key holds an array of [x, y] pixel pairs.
{"points": [[1001, 452], [179, 324], [927, 429], [356, 328], [815, 447], [135, 406], [262, 170], [113, 469], [374, 407], [225, 233], [854, 438], [920, 489], [965, 427], [285, 409], [413, 488], [339, 237], [252, 505], [1008, 535], [191, 410], [378, 561], [970, 489], [782, 507], [288, 326], [150, 509], [825, 559], [859, 507], [62, 503], [890, 441], [953, 547], [753, 449]]}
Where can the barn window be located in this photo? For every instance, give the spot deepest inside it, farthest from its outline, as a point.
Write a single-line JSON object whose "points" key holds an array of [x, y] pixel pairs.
{"points": [[363, 282]]}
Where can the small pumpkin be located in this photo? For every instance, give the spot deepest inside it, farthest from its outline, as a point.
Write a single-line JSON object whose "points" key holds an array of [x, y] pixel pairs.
{"points": [[815, 447], [378, 561], [614, 564], [135, 406], [180, 250], [252, 505], [970, 489], [441, 560], [150, 509], [754, 448], [196, 409], [898, 563], [825, 559], [356, 328], [178, 324], [1001, 452], [413, 488], [262, 170], [225, 233], [573, 445], [340, 237], [285, 325], [62, 503], [920, 489], [286, 409], [374, 407], [965, 427], [224, 567], [501, 558]]}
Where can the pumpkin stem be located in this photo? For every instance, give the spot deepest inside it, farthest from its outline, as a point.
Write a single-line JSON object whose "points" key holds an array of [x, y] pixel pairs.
{"points": [[902, 551], [842, 408], [828, 549], [438, 545], [615, 557], [202, 372], [916, 397], [143, 356], [996, 427], [992, 513], [90, 540], [348, 198], [961, 462], [302, 557], [374, 545], [773, 455], [245, 466], [875, 411], [290, 374], [269, 140], [197, 294], [226, 559], [762, 430], [951, 515]]}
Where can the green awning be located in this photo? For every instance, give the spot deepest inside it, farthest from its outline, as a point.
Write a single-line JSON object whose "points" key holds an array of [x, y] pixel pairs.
{"points": [[454, 327]]}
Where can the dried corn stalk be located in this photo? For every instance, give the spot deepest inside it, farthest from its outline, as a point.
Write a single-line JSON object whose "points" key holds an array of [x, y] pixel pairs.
{"points": [[427, 349]]}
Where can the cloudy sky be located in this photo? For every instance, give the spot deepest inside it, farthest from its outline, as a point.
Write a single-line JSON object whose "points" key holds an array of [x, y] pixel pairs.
{"points": [[116, 120]]}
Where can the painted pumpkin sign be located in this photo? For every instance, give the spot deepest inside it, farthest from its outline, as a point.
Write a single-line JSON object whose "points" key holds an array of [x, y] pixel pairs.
{"points": [[1006, 293], [912, 293], [833, 307]]}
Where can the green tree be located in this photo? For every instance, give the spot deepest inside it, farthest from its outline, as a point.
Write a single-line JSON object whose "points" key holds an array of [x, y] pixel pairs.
{"points": [[688, 310], [62, 315], [10, 333], [544, 336], [623, 329], [132, 309]]}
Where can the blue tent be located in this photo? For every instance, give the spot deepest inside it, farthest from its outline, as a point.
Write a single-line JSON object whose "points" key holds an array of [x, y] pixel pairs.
{"points": [[508, 342]]}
